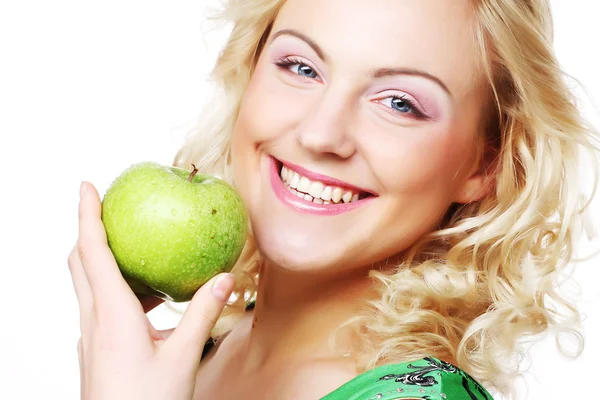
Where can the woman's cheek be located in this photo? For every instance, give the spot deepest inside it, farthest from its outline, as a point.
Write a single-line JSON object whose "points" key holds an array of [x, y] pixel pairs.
{"points": [[270, 108], [413, 158]]}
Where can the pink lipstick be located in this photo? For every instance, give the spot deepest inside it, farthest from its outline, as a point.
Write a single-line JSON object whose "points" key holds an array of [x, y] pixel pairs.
{"points": [[304, 206]]}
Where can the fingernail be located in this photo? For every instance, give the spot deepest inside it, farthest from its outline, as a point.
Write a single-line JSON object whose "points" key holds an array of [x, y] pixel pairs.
{"points": [[223, 286], [82, 189]]}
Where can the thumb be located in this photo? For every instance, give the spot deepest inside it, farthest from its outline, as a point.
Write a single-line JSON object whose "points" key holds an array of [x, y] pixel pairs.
{"points": [[200, 317]]}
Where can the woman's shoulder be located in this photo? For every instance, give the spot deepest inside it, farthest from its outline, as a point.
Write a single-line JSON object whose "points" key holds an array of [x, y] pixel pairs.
{"points": [[427, 378]]}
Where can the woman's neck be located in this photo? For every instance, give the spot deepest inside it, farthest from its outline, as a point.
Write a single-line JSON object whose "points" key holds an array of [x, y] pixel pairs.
{"points": [[295, 314]]}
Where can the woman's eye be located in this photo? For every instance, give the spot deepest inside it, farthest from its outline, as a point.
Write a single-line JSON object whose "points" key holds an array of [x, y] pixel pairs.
{"points": [[296, 66], [303, 70], [399, 104], [402, 105]]}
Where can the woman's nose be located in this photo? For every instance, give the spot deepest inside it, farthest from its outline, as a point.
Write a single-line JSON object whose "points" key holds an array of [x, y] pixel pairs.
{"points": [[326, 130]]}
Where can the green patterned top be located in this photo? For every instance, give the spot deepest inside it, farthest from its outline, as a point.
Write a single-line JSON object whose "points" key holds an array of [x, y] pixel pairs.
{"points": [[428, 378]]}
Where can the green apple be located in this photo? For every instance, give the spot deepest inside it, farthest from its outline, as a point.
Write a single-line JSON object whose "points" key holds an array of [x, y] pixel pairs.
{"points": [[171, 230]]}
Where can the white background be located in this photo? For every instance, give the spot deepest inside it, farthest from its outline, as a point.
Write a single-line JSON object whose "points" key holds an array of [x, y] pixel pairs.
{"points": [[88, 88]]}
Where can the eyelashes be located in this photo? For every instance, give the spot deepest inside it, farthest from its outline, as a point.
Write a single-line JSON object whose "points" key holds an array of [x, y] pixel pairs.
{"points": [[403, 105], [397, 104], [303, 68]]}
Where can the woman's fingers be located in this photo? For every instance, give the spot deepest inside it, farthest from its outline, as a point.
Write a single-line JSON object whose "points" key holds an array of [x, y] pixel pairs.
{"points": [[80, 283], [118, 320], [108, 287], [206, 306]]}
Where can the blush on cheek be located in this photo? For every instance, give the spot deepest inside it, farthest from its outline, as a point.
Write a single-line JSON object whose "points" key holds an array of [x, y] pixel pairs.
{"points": [[423, 173], [271, 108], [417, 159], [255, 112]]}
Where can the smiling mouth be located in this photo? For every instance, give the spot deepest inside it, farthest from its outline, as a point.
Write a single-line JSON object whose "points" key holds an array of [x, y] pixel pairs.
{"points": [[319, 189]]}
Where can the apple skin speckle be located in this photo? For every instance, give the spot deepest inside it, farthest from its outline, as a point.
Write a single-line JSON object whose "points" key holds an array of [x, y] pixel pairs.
{"points": [[169, 236]]}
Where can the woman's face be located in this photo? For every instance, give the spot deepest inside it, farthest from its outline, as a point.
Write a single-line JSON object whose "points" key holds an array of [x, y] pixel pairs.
{"points": [[377, 102]]}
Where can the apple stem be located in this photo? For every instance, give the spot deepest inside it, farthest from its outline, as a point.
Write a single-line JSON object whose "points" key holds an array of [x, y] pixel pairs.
{"points": [[193, 173]]}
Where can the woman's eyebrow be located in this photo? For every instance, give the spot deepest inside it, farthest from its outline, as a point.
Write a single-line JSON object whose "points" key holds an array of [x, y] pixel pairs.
{"points": [[381, 72], [302, 37], [378, 73]]}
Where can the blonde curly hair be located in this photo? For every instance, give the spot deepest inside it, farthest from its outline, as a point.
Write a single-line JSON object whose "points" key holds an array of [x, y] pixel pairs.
{"points": [[470, 292]]}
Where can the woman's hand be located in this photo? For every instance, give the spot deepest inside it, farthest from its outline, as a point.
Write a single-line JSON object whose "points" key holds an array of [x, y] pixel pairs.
{"points": [[121, 355]]}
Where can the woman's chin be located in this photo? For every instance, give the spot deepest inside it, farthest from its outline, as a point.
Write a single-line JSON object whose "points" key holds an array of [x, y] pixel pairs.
{"points": [[298, 263], [314, 266], [308, 260], [306, 250]]}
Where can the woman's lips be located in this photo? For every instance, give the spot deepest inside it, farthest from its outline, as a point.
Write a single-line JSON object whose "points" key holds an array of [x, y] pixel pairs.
{"points": [[304, 206]]}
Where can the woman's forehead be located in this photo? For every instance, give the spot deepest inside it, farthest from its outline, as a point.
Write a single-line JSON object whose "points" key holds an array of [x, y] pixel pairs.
{"points": [[430, 35]]}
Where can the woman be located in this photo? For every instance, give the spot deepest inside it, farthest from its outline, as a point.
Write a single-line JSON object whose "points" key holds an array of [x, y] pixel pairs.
{"points": [[410, 173]]}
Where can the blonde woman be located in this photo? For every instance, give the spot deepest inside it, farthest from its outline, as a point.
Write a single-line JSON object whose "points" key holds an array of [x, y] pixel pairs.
{"points": [[410, 171]]}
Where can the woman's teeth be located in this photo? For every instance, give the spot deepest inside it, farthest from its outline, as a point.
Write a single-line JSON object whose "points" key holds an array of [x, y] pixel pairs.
{"points": [[315, 191]]}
